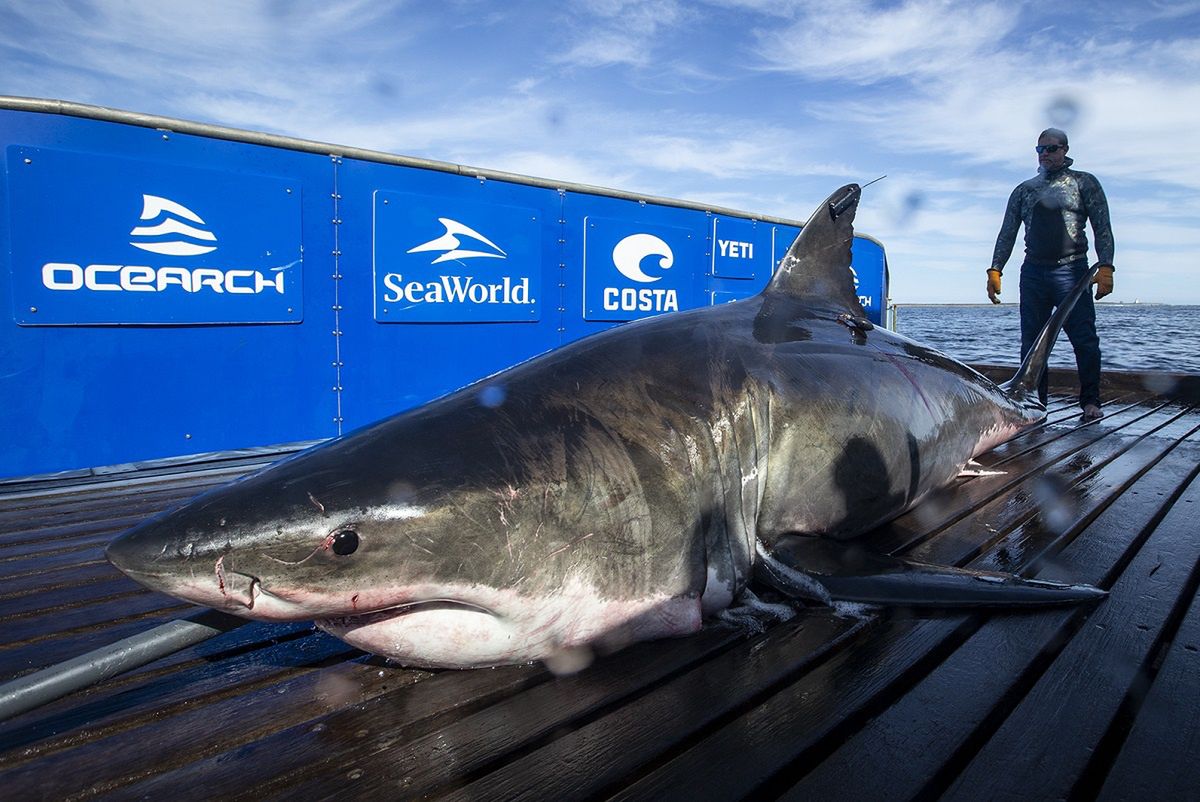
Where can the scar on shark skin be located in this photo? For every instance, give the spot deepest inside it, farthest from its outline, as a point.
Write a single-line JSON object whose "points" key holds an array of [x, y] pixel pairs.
{"points": [[509, 493], [320, 507], [325, 544], [573, 543], [220, 569]]}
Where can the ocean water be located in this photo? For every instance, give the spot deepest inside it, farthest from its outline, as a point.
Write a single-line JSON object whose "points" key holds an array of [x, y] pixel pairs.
{"points": [[1132, 336]]}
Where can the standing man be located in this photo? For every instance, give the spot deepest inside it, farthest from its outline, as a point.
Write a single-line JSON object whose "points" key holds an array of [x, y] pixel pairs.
{"points": [[1054, 205]]}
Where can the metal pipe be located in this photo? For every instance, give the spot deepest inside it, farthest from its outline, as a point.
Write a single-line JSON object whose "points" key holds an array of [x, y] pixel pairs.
{"points": [[48, 684], [70, 109]]}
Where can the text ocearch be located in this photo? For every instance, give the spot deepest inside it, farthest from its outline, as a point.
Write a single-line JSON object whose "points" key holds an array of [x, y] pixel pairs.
{"points": [[142, 278]]}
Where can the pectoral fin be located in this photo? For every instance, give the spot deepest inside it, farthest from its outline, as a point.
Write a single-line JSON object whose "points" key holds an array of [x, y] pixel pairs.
{"points": [[825, 570]]}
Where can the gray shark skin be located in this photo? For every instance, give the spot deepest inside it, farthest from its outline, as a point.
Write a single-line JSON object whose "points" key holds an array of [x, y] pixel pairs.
{"points": [[629, 484]]}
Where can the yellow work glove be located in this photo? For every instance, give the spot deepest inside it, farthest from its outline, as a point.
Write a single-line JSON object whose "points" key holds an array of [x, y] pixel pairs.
{"points": [[994, 284], [1103, 281]]}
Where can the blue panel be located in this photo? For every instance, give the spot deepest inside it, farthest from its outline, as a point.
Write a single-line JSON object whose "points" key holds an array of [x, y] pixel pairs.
{"points": [[98, 239], [741, 248], [389, 368], [629, 268], [783, 237], [149, 233], [446, 259], [729, 296], [870, 277], [627, 260], [82, 396]]}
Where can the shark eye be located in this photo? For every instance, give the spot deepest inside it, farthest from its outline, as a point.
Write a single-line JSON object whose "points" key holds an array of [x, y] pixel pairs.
{"points": [[345, 542]]}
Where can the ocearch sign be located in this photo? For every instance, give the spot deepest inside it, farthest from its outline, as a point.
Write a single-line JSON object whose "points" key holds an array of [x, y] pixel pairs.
{"points": [[99, 240]]}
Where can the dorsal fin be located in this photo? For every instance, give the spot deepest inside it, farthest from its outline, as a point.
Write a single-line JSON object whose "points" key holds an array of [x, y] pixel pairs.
{"points": [[816, 269]]}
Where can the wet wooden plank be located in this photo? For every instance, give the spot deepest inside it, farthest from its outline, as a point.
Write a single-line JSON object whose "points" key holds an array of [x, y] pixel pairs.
{"points": [[234, 715], [800, 714], [589, 760], [1046, 503], [93, 541], [964, 698], [60, 578], [376, 747], [999, 521], [246, 655], [71, 597], [1167, 725], [980, 500], [1108, 652], [52, 534]]}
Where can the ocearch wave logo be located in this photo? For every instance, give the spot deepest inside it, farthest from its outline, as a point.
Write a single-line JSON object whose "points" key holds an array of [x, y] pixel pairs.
{"points": [[70, 277], [627, 257], [452, 289], [169, 213]]}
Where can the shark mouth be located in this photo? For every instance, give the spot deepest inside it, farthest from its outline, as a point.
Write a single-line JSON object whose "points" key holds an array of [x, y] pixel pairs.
{"points": [[438, 633], [347, 622]]}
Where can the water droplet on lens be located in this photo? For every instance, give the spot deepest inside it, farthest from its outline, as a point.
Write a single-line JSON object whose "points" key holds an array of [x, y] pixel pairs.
{"points": [[1062, 111], [492, 396], [1160, 383], [908, 207]]}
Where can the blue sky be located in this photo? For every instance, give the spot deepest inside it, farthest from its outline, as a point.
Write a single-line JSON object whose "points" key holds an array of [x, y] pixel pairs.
{"points": [[761, 106]]}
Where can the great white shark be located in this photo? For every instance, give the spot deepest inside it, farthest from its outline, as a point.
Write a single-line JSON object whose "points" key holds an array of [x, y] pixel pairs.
{"points": [[628, 485]]}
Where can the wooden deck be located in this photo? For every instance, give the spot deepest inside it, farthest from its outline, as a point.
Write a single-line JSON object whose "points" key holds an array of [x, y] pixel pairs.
{"points": [[1080, 703]]}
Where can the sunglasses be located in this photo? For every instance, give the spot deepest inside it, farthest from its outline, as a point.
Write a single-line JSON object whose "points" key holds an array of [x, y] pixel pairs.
{"points": [[1049, 148]]}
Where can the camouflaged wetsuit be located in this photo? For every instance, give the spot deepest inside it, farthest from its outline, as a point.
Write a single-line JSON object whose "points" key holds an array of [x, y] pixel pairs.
{"points": [[1054, 207]]}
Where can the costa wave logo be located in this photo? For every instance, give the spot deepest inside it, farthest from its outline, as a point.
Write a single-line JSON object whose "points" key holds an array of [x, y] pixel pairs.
{"points": [[170, 216], [70, 277], [449, 289], [627, 257], [629, 253], [451, 246]]}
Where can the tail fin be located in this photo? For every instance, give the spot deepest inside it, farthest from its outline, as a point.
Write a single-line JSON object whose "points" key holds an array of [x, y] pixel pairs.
{"points": [[1023, 385]]}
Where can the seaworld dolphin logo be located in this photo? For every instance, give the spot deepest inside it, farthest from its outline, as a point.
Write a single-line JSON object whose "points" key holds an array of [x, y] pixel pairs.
{"points": [[625, 486], [450, 244], [629, 253]]}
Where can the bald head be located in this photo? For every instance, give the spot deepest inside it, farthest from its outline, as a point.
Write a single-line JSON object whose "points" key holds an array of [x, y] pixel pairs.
{"points": [[1057, 134]]}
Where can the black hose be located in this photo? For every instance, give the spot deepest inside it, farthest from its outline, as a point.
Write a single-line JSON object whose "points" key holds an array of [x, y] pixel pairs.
{"points": [[45, 685]]}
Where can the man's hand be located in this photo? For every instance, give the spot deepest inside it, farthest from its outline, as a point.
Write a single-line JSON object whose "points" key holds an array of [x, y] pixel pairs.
{"points": [[1103, 281], [993, 286]]}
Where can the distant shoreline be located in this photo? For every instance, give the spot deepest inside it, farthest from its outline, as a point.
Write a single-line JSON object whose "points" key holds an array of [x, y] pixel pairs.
{"points": [[1016, 304]]}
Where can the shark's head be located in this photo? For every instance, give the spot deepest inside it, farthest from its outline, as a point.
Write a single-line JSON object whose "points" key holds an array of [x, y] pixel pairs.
{"points": [[427, 554], [325, 537]]}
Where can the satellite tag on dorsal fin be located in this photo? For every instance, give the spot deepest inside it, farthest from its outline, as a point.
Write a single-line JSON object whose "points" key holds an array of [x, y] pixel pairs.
{"points": [[816, 269]]}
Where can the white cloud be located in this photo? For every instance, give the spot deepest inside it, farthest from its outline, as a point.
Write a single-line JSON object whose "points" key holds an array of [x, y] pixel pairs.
{"points": [[866, 43], [610, 32]]}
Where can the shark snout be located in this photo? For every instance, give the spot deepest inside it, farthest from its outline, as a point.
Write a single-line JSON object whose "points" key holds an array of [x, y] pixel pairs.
{"points": [[155, 555], [140, 550]]}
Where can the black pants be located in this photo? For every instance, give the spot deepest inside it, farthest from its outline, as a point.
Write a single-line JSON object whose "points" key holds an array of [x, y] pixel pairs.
{"points": [[1043, 288]]}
